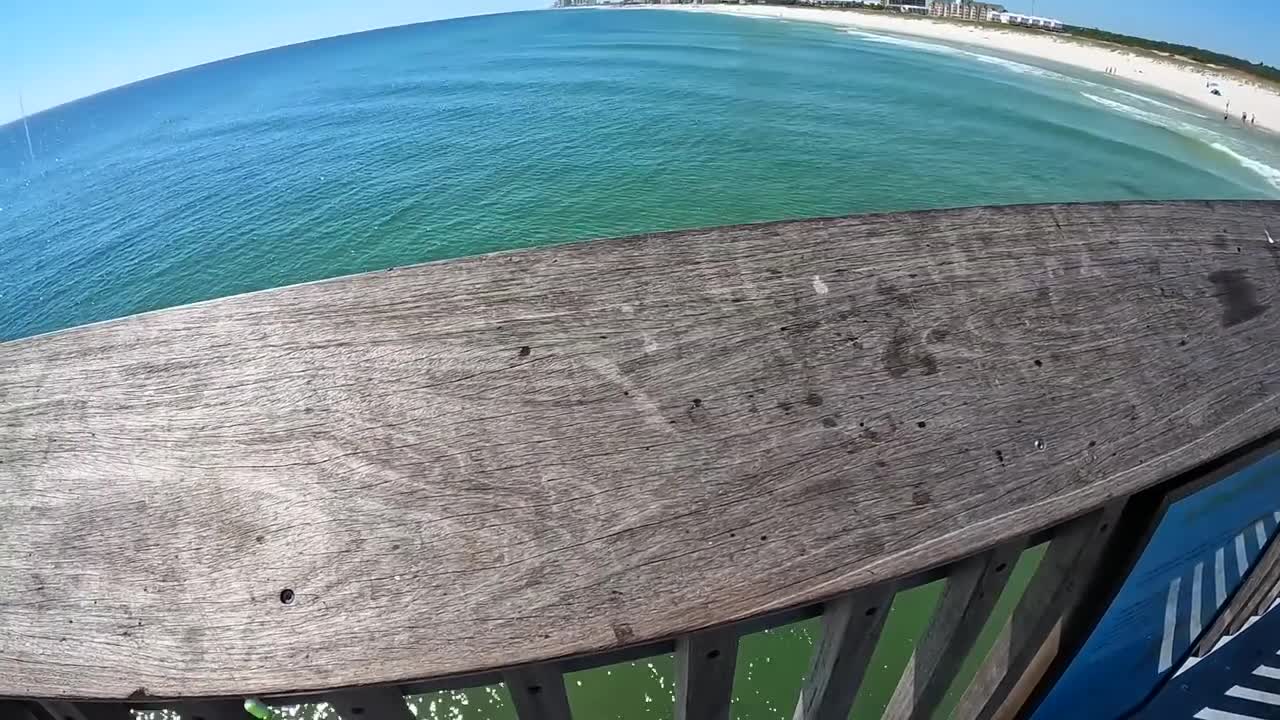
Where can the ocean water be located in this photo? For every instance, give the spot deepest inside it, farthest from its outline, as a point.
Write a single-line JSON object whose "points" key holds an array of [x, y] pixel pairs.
{"points": [[445, 139], [455, 138]]}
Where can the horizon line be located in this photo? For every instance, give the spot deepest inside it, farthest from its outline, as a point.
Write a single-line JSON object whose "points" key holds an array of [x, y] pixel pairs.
{"points": [[4, 123]]}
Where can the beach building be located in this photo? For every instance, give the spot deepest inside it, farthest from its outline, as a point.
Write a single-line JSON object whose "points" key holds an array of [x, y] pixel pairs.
{"points": [[917, 7], [841, 3], [1024, 20], [964, 10]]}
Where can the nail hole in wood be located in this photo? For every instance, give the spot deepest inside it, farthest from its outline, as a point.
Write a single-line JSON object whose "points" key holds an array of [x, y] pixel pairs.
{"points": [[1104, 527], [535, 689], [871, 611], [1093, 443], [357, 711], [1001, 567], [713, 654], [921, 424], [1039, 364], [1039, 444], [525, 350], [286, 596], [763, 538]]}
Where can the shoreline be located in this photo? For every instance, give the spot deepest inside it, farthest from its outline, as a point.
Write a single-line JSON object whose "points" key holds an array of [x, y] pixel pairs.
{"points": [[1182, 79]]}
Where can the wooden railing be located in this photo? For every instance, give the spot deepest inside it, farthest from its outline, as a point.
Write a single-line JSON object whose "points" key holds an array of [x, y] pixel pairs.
{"points": [[616, 449]]}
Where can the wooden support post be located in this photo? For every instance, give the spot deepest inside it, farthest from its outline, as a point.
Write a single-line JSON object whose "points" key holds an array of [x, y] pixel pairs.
{"points": [[1072, 556], [705, 664], [973, 587], [385, 703], [1246, 601], [538, 693], [212, 710], [62, 710], [20, 710], [851, 628]]}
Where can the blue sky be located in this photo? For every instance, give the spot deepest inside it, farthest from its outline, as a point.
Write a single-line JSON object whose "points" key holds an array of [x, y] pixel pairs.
{"points": [[53, 51]]}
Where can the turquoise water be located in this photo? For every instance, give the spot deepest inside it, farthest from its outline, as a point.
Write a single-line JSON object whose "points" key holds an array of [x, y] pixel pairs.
{"points": [[446, 139]]}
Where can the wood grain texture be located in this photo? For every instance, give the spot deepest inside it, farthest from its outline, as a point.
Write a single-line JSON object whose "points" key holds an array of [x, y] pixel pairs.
{"points": [[1065, 570], [1017, 704], [370, 704], [851, 627], [705, 663], [538, 693], [519, 457], [971, 593], [1270, 599]]}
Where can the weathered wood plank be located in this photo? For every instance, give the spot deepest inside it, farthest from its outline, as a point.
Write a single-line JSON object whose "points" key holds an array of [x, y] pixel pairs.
{"points": [[851, 628], [971, 593], [705, 663], [1066, 568], [1247, 600], [538, 693], [535, 455], [370, 704]]}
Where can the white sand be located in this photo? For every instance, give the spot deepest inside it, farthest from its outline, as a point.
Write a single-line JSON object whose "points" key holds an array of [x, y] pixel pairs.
{"points": [[1180, 78]]}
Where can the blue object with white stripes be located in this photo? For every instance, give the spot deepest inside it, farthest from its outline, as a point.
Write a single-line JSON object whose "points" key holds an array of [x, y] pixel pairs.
{"points": [[1203, 548], [1239, 681]]}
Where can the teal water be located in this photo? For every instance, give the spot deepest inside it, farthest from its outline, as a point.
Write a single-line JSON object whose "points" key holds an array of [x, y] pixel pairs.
{"points": [[432, 141]]}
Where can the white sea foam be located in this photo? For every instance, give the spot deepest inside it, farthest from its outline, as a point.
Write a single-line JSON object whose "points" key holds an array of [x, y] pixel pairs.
{"points": [[1271, 174], [1133, 112], [1011, 65], [1210, 138], [1153, 101]]}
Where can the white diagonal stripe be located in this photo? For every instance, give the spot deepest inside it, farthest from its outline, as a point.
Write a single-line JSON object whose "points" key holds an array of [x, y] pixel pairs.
{"points": [[1219, 578], [1170, 624], [1242, 560], [1197, 580], [1257, 696], [1261, 531], [1268, 672], [1211, 714]]}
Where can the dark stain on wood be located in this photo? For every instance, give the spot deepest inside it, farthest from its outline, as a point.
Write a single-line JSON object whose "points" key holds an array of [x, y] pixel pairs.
{"points": [[623, 633], [897, 355], [900, 357], [1237, 295]]}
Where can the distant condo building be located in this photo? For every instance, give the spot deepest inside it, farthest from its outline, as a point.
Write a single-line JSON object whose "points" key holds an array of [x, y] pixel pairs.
{"points": [[610, 3], [917, 7], [1030, 21], [964, 10]]}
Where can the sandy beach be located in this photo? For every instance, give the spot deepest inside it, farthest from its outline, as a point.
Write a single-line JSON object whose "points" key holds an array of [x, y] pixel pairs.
{"points": [[1181, 78]]}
